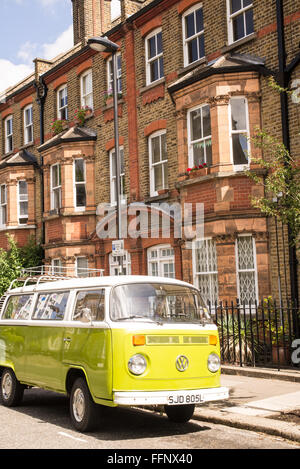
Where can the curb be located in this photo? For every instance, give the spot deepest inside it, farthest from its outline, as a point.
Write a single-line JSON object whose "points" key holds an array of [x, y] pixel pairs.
{"points": [[257, 424], [285, 375]]}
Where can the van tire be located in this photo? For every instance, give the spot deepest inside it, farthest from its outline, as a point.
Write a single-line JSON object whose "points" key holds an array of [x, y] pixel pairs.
{"points": [[11, 390], [83, 410], [180, 413]]}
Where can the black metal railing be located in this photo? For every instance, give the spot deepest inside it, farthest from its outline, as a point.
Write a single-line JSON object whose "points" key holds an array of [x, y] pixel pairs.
{"points": [[265, 334]]}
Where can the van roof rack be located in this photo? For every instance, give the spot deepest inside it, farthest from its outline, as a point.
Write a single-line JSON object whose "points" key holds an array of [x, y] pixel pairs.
{"points": [[50, 273]]}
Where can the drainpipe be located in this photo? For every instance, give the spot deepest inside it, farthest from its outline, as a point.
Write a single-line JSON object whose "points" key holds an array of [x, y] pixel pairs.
{"points": [[41, 91], [284, 79]]}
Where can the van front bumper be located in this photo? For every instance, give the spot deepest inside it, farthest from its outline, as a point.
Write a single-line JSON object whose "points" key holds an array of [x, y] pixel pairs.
{"points": [[193, 396]]}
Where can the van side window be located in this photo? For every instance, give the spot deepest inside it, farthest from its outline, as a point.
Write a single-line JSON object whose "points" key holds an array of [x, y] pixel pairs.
{"points": [[89, 306], [51, 306], [18, 307]]}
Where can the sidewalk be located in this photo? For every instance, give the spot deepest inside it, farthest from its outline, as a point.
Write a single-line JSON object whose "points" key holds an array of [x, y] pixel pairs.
{"points": [[261, 400]]}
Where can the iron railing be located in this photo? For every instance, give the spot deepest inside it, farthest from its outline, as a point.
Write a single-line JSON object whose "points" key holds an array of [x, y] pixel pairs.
{"points": [[265, 334]]}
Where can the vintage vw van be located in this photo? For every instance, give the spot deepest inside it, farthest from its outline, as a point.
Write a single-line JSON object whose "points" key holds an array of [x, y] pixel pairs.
{"points": [[110, 341]]}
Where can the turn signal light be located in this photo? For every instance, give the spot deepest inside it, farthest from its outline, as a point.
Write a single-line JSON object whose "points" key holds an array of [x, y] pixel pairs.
{"points": [[138, 340], [213, 340]]}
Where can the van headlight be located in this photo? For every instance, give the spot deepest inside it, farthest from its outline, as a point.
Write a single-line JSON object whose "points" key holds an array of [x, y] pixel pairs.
{"points": [[213, 362], [137, 364]]}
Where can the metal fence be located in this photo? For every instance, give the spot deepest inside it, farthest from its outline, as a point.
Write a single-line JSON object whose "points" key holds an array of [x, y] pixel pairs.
{"points": [[265, 334]]}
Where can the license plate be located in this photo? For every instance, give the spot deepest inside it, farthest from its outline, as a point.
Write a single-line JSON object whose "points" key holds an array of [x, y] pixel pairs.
{"points": [[178, 399]]}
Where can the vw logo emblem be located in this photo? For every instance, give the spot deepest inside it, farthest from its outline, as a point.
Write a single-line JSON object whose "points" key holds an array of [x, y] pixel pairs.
{"points": [[182, 363]]}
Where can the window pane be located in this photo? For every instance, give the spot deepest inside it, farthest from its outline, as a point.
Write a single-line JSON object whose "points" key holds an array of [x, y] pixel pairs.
{"points": [[80, 195], [238, 114], [189, 25], [240, 149], [201, 46], [238, 27], [89, 306], [154, 73], [18, 307], [193, 50], [79, 171], [22, 188], [249, 22], [158, 178], [82, 266], [199, 20], [196, 124], [155, 142], [206, 121], [159, 43], [51, 306], [208, 151], [161, 67], [163, 147], [23, 208], [198, 149], [3, 194], [235, 5], [246, 3], [151, 47], [245, 253]]}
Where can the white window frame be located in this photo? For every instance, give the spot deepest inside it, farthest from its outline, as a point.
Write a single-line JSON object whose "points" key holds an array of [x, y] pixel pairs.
{"points": [[185, 40], [9, 137], [28, 126], [77, 268], [191, 142], [152, 165], [160, 259], [79, 183], [114, 264], [210, 273], [112, 178], [20, 201], [109, 73], [53, 189], [157, 57], [230, 18], [240, 167], [64, 108], [3, 206], [254, 269], [86, 97], [56, 266]]}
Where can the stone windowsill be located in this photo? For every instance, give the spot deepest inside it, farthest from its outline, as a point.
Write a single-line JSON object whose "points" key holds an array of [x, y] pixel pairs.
{"points": [[152, 85]]}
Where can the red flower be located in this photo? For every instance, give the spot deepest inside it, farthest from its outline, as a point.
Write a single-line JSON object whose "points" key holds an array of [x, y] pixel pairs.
{"points": [[200, 166], [189, 169], [204, 164]]}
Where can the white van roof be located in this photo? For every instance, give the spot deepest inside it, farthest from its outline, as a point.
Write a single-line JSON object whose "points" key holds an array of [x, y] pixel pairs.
{"points": [[108, 281]]}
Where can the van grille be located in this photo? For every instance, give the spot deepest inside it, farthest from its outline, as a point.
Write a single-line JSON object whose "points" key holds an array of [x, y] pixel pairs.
{"points": [[162, 339], [2, 300], [176, 339]]}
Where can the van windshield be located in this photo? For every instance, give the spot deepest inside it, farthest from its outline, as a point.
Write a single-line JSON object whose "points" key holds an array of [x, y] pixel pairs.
{"points": [[157, 302]]}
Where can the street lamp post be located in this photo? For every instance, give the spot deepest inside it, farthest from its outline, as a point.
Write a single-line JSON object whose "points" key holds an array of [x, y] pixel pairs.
{"points": [[103, 44]]}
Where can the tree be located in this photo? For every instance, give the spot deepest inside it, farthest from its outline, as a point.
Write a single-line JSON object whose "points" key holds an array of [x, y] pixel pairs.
{"points": [[281, 183], [15, 259]]}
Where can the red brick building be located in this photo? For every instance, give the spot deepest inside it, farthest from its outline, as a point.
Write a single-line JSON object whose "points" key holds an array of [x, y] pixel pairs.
{"points": [[193, 88]]}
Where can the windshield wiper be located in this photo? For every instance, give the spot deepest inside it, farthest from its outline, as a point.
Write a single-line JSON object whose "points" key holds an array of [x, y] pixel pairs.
{"points": [[131, 317]]}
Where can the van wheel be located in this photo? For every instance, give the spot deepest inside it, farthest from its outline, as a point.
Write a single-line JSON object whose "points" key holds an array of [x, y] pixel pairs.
{"points": [[83, 410], [180, 413], [11, 390]]}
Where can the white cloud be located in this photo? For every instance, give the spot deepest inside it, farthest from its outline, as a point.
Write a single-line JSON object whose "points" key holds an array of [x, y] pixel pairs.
{"points": [[10, 74], [61, 44]]}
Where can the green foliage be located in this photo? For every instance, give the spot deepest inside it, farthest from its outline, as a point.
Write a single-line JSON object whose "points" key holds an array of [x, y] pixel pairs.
{"points": [[15, 259], [281, 184]]}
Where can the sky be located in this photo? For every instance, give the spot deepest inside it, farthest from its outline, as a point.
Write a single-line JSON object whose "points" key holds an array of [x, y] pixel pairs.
{"points": [[30, 29]]}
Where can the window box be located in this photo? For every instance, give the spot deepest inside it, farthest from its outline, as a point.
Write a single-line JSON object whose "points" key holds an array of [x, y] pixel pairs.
{"points": [[201, 170]]}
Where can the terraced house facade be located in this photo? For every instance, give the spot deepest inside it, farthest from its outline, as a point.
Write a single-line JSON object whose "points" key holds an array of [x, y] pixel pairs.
{"points": [[193, 84]]}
